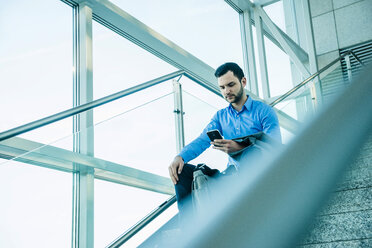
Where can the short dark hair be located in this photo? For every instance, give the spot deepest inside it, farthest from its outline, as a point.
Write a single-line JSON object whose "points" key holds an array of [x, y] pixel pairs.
{"points": [[229, 66]]}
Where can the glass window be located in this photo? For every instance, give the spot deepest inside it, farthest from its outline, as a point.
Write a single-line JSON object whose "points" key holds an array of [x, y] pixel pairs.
{"points": [[278, 69], [119, 207], [207, 29], [36, 81], [35, 64], [276, 13], [119, 64], [35, 209]]}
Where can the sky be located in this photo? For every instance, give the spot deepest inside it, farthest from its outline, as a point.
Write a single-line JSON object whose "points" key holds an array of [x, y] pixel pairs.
{"points": [[36, 78]]}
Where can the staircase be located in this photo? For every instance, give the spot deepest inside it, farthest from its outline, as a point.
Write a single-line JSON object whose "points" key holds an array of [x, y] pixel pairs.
{"points": [[346, 221]]}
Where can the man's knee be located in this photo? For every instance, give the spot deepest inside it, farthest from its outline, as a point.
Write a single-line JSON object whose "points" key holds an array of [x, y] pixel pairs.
{"points": [[187, 172], [183, 186]]}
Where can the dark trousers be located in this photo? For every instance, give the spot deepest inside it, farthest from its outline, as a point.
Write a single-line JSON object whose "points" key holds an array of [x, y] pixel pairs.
{"points": [[184, 184]]}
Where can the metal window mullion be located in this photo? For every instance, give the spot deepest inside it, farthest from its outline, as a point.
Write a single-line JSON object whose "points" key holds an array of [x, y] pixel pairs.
{"points": [[262, 55], [75, 125], [248, 50], [83, 179]]}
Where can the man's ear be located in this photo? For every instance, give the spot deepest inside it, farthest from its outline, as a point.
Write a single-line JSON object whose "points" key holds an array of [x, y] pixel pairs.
{"points": [[244, 81]]}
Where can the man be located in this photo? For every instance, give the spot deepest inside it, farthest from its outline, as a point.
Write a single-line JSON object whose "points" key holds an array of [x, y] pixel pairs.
{"points": [[242, 117]]}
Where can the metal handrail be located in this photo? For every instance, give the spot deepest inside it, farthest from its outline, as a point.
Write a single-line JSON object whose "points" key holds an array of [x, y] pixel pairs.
{"points": [[291, 91], [142, 223], [356, 57], [84, 107]]}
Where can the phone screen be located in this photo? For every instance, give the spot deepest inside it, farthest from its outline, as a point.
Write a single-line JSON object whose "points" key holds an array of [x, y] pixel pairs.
{"points": [[214, 134]]}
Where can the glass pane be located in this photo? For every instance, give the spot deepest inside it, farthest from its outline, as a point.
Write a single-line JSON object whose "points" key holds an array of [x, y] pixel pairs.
{"points": [[278, 69], [118, 207], [142, 133], [35, 62], [119, 64], [199, 109], [209, 30], [35, 210], [58, 133], [276, 13], [152, 227], [299, 105]]}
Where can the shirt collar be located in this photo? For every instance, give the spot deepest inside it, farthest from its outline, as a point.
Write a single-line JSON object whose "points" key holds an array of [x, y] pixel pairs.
{"points": [[247, 105]]}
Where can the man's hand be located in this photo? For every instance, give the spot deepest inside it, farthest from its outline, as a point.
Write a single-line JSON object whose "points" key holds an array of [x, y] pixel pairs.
{"points": [[227, 146], [175, 168]]}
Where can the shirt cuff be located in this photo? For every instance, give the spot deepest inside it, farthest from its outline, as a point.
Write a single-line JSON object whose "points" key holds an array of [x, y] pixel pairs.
{"points": [[185, 157]]}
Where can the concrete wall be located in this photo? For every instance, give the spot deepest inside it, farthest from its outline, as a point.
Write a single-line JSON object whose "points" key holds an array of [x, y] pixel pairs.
{"points": [[338, 24]]}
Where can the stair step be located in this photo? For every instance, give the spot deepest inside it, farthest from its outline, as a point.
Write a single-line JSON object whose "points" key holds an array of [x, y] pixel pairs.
{"points": [[336, 227]]}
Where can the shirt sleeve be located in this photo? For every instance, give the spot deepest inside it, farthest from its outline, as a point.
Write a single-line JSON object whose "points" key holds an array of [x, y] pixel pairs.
{"points": [[201, 143], [270, 123]]}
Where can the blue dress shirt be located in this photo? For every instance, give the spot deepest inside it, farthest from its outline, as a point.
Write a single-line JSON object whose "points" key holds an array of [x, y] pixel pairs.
{"points": [[254, 117]]}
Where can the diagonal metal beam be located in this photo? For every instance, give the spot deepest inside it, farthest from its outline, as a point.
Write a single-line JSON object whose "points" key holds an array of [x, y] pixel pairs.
{"points": [[265, 2], [245, 5], [285, 45], [144, 36]]}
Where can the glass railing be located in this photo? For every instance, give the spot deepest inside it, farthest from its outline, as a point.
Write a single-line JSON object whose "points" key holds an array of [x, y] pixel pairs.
{"points": [[300, 102], [199, 105], [143, 136], [139, 136], [198, 114]]}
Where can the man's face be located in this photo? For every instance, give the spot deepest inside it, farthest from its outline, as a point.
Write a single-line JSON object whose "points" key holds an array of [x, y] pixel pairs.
{"points": [[231, 89]]}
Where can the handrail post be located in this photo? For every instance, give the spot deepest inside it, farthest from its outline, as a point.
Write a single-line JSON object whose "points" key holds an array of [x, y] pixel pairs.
{"points": [[178, 114], [348, 67]]}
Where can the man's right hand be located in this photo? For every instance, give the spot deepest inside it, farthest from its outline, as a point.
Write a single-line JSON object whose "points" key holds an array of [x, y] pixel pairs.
{"points": [[175, 168]]}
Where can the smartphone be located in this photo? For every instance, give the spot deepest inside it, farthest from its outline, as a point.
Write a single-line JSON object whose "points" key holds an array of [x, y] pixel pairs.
{"points": [[214, 134]]}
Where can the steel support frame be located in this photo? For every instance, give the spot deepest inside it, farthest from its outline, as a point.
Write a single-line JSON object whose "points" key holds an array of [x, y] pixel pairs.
{"points": [[262, 55], [316, 93], [285, 45], [245, 5], [49, 156], [83, 178], [142, 35], [299, 26], [248, 50]]}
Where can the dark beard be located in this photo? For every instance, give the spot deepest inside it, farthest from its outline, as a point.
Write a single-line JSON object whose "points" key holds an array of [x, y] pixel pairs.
{"points": [[239, 96]]}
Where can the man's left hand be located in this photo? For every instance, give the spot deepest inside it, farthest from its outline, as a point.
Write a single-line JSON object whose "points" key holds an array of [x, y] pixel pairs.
{"points": [[227, 146]]}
